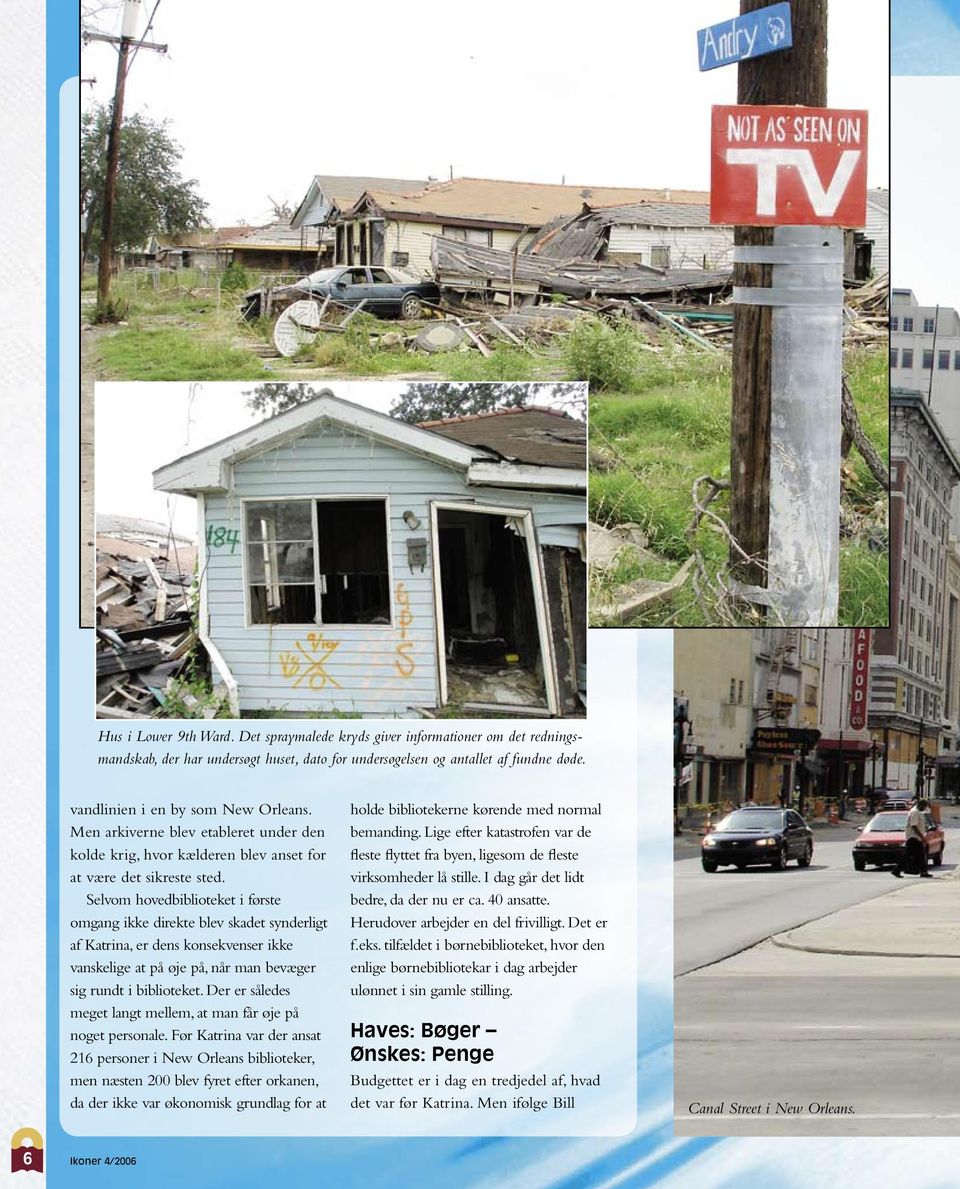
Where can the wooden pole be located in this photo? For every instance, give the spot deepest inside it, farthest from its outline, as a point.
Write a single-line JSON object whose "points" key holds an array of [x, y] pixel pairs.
{"points": [[797, 75], [110, 185]]}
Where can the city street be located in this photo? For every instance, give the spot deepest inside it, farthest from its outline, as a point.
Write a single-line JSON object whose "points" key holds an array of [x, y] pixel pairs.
{"points": [[841, 1033]]}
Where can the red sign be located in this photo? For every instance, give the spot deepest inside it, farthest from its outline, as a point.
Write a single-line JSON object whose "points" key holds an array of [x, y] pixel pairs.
{"points": [[860, 679], [782, 166]]}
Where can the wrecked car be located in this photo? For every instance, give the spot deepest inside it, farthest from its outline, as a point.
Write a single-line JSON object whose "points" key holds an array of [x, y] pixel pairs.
{"points": [[386, 292]]}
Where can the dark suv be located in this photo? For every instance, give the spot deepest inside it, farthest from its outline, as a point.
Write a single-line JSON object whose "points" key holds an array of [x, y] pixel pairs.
{"points": [[758, 835]]}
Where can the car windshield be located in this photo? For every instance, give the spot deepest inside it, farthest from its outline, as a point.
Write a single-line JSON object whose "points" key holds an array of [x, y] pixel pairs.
{"points": [[752, 819], [887, 823]]}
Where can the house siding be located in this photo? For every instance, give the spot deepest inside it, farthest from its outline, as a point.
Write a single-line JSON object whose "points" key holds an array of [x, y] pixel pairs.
{"points": [[878, 229], [689, 246], [367, 671], [416, 239]]}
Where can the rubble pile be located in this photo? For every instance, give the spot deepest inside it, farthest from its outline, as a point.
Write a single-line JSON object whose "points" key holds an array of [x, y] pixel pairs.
{"points": [[144, 628]]}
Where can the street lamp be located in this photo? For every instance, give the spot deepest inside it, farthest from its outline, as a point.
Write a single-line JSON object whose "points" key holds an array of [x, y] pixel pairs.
{"points": [[682, 726], [874, 752], [921, 765]]}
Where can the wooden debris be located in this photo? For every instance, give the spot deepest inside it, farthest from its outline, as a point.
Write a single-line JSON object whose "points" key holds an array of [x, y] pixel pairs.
{"points": [[143, 626], [633, 604]]}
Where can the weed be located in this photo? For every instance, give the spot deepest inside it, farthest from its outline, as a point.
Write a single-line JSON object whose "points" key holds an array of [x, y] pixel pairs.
{"points": [[606, 355], [674, 426], [114, 309], [234, 277], [175, 354]]}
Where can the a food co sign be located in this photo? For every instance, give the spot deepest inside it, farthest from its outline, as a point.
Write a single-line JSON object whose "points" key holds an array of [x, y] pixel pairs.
{"points": [[860, 679], [779, 166]]}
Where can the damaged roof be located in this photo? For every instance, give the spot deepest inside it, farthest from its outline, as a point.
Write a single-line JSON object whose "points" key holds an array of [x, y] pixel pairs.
{"points": [[210, 468], [512, 204], [534, 435], [584, 235], [278, 235], [460, 265], [343, 191]]}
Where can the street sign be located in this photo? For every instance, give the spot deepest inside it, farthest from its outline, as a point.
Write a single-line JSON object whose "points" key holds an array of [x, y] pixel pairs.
{"points": [[784, 740], [860, 679], [763, 31], [788, 166]]}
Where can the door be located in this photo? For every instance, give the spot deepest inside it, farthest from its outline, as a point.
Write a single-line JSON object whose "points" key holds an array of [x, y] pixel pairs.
{"points": [[456, 565]]}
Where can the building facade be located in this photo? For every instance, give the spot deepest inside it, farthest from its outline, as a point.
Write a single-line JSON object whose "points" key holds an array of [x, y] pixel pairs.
{"points": [[714, 671], [909, 663], [925, 358], [773, 716]]}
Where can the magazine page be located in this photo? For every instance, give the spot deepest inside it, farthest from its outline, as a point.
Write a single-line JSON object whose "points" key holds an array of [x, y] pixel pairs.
{"points": [[420, 400]]}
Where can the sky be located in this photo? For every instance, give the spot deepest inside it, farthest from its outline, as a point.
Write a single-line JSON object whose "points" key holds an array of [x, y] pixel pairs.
{"points": [[923, 218], [195, 415], [263, 97]]}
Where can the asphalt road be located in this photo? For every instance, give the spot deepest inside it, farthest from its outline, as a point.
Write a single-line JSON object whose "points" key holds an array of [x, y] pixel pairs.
{"points": [[835, 1045], [717, 915]]}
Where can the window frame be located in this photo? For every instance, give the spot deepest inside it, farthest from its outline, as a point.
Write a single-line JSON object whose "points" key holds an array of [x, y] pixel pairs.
{"points": [[317, 622]]}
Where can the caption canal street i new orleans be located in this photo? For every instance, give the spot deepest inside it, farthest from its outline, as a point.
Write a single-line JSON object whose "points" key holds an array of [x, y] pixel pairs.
{"points": [[818, 986], [811, 997]]}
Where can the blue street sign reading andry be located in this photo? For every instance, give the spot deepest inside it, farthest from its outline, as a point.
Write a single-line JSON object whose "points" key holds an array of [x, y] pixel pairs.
{"points": [[763, 31]]}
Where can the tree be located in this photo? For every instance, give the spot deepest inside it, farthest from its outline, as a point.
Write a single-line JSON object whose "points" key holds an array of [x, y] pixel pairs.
{"points": [[271, 399], [434, 401], [152, 196]]}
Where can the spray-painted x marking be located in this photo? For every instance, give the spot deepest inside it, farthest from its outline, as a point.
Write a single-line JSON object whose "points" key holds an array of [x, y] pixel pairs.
{"points": [[312, 671]]}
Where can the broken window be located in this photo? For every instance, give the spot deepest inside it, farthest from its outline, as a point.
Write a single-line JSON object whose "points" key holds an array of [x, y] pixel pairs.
{"points": [[318, 561], [470, 235], [280, 570], [354, 573], [660, 256]]}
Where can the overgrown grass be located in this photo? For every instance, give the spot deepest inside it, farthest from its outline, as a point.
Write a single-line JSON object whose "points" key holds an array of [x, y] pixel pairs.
{"points": [[672, 426], [173, 353]]}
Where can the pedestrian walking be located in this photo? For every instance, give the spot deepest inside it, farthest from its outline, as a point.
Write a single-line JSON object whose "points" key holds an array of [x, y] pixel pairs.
{"points": [[914, 858]]}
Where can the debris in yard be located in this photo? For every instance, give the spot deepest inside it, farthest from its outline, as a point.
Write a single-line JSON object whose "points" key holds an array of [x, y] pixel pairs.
{"points": [[633, 598], [508, 686], [297, 327], [144, 627], [622, 542], [469, 268], [440, 336]]}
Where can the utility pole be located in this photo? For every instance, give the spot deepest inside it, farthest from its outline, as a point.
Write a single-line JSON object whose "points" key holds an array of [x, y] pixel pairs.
{"points": [[794, 76], [127, 39]]}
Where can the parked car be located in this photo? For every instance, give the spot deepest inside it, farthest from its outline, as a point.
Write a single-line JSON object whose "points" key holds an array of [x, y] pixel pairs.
{"points": [[758, 835], [386, 291], [881, 842], [889, 799]]}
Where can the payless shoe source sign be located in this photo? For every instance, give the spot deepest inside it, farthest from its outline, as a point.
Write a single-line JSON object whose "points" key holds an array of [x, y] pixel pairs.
{"points": [[788, 166]]}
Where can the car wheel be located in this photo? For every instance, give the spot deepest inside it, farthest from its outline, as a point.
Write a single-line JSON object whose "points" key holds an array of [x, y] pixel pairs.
{"points": [[938, 858], [859, 863], [411, 307], [807, 857], [782, 859], [709, 865]]}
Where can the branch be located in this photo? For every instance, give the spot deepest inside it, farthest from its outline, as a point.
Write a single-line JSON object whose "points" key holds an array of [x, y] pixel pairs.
{"points": [[854, 431]]}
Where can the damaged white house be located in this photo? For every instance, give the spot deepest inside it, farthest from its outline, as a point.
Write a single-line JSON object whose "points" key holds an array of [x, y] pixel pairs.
{"points": [[352, 562]]}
